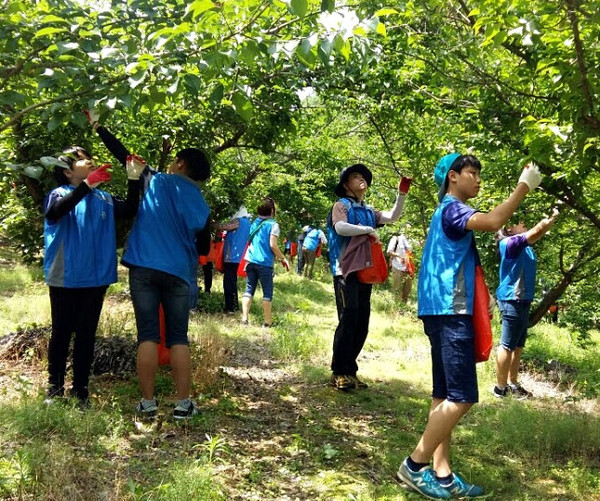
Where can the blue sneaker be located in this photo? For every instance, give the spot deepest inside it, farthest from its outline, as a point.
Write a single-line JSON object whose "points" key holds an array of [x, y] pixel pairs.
{"points": [[422, 481], [461, 488]]}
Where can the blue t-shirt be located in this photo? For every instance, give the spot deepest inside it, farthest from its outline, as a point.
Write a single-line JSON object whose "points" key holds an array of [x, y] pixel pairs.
{"points": [[447, 274], [163, 236], [259, 250], [518, 266]]}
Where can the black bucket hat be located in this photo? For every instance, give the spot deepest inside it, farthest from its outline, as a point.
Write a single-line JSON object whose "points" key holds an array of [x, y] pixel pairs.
{"points": [[340, 191]]}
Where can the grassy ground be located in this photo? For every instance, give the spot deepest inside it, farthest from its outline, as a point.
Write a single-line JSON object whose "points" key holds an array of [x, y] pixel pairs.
{"points": [[270, 428]]}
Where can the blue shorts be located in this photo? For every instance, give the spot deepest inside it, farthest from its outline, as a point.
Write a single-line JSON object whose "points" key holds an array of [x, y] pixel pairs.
{"points": [[452, 357], [149, 289], [254, 274], [514, 319]]}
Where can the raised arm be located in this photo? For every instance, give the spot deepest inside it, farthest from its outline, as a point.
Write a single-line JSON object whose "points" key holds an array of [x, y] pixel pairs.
{"points": [[494, 220], [540, 229], [110, 141], [395, 212]]}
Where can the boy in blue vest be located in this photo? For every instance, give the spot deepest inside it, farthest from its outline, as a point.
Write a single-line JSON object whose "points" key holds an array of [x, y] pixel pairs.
{"points": [[170, 232], [162, 256], [515, 292], [349, 223], [445, 297]]}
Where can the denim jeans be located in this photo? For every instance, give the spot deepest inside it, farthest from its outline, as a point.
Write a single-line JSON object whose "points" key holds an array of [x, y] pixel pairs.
{"points": [[254, 274], [149, 289], [452, 357], [514, 320]]}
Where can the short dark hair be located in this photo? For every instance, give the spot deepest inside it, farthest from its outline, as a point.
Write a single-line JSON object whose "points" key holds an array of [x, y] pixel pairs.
{"points": [[460, 163], [197, 164], [69, 156], [267, 207]]}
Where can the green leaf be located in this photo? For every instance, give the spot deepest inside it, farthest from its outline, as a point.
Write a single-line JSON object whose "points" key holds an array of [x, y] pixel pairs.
{"points": [[346, 50], [49, 31], [386, 11], [50, 18], [242, 106], [12, 98], [51, 162], [198, 7], [33, 171], [327, 5], [64, 47], [299, 7], [324, 51], [136, 79], [173, 87], [216, 96], [192, 82]]}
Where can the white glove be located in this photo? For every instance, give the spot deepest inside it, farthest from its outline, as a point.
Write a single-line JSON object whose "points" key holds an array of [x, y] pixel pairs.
{"points": [[135, 166], [92, 117], [531, 176]]}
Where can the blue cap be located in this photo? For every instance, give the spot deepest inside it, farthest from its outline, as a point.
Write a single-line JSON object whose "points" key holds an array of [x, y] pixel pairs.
{"points": [[441, 171]]}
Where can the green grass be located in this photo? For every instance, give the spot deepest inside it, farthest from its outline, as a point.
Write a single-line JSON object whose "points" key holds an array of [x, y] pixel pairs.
{"points": [[270, 428]]}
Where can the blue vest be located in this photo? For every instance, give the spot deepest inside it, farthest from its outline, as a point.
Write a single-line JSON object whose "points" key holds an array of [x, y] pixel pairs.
{"points": [[447, 274], [358, 213], [259, 251], [163, 236], [235, 241], [312, 240], [517, 276], [80, 249]]}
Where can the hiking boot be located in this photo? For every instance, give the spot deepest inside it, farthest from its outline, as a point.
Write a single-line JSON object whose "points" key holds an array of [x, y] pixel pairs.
{"points": [[147, 411], [498, 393], [185, 410], [342, 382], [519, 392], [463, 489], [422, 481], [358, 384]]}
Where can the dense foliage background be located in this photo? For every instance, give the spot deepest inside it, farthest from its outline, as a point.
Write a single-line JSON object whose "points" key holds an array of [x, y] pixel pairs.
{"points": [[286, 93]]}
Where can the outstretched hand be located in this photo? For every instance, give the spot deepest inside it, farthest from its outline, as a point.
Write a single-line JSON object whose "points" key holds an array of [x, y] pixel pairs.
{"points": [[531, 176], [285, 264], [100, 175], [135, 166], [92, 117], [404, 184], [491, 306]]}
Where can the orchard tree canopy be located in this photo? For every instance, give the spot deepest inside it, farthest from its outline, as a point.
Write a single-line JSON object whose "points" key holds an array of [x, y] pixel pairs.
{"points": [[285, 93]]}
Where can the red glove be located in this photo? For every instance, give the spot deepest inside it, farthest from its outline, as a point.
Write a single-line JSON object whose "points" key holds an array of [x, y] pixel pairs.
{"points": [[404, 184], [285, 264], [100, 175]]}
